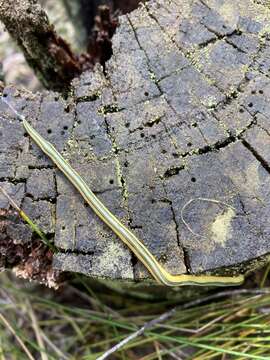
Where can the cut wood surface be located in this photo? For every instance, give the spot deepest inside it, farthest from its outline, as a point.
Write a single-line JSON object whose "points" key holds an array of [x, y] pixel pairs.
{"points": [[174, 139]]}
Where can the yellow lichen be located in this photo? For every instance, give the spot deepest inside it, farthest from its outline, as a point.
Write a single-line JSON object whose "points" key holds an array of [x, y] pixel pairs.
{"points": [[230, 13], [221, 227]]}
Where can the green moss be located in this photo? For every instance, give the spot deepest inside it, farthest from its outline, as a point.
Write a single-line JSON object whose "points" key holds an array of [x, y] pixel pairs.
{"points": [[90, 97], [153, 77], [210, 102], [108, 109]]}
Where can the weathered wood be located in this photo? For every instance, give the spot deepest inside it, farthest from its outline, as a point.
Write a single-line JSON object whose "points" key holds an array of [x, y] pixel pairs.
{"points": [[47, 53], [181, 114]]}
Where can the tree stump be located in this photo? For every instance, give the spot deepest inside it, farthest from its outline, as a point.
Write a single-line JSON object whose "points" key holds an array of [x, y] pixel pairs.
{"points": [[173, 138]]}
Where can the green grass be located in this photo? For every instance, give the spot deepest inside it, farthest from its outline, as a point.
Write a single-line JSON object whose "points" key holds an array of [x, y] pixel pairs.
{"points": [[84, 318]]}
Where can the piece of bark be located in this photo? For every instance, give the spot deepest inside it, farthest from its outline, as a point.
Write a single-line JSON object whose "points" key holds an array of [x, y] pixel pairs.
{"points": [[174, 140], [23, 252], [47, 54]]}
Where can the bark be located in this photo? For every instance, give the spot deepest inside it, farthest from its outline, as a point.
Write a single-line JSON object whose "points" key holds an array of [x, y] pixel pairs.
{"points": [[47, 53]]}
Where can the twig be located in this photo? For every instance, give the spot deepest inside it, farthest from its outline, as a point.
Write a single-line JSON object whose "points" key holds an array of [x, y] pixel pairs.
{"points": [[96, 304], [4, 320], [137, 333], [26, 218], [156, 345], [200, 199], [172, 311], [23, 215], [191, 331], [54, 347], [12, 202], [12, 108], [36, 329], [2, 356], [265, 274], [174, 353]]}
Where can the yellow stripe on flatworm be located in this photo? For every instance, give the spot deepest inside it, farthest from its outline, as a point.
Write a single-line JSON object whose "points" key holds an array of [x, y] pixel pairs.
{"points": [[135, 245]]}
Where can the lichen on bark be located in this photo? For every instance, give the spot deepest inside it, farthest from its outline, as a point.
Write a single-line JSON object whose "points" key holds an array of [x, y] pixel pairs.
{"points": [[48, 54]]}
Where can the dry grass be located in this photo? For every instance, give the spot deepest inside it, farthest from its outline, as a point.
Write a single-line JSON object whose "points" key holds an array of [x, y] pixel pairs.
{"points": [[83, 319]]}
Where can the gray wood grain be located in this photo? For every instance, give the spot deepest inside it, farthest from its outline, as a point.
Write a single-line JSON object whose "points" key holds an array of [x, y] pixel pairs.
{"points": [[174, 140]]}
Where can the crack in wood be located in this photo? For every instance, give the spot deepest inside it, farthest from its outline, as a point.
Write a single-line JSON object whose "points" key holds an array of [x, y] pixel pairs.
{"points": [[253, 151], [156, 160]]}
